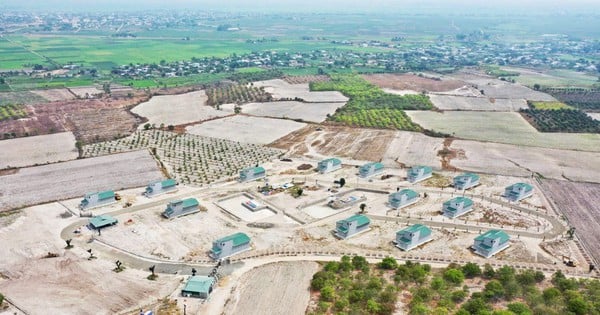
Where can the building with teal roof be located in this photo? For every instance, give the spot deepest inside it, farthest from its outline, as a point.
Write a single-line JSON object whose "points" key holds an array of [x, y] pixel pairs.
{"points": [[466, 181], [160, 187], [252, 173], [97, 199], [178, 208], [229, 245], [412, 236], [101, 221], [351, 226], [403, 198], [370, 169], [199, 286], [518, 191], [418, 173], [329, 165], [490, 243], [457, 206]]}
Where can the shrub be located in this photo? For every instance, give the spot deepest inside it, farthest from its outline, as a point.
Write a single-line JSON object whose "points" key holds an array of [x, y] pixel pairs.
{"points": [[388, 263], [454, 276]]}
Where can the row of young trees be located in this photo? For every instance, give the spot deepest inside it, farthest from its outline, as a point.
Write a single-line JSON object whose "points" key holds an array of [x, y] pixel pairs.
{"points": [[587, 99], [237, 93], [561, 120], [12, 111]]}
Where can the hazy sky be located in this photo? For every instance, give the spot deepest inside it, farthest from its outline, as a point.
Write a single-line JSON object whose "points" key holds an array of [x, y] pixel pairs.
{"points": [[305, 5]]}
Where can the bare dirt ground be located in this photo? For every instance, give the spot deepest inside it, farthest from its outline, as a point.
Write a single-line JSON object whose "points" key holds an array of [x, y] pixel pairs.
{"points": [[55, 95], [177, 109], [54, 285], [500, 89], [302, 79], [22, 97], [247, 129], [596, 116], [412, 148], [278, 288], [579, 203], [281, 89], [413, 82], [505, 159], [400, 92], [313, 112], [86, 91], [44, 149], [72, 179], [448, 102]]}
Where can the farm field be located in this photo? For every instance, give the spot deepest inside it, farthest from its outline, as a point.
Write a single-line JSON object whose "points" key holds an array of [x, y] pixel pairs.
{"points": [[12, 111], [513, 160], [495, 88], [508, 128], [86, 91], [582, 99], [413, 148], [237, 93], [553, 78], [177, 109], [281, 89], [305, 79], [54, 95], [413, 82], [449, 102], [312, 112], [59, 181], [579, 203], [20, 98], [561, 120], [246, 129], [44, 149]]}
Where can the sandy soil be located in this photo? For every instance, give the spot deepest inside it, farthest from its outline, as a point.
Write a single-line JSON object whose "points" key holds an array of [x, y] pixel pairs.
{"points": [[313, 112], [261, 288], [413, 82], [44, 149], [509, 128], [177, 109], [447, 102], [71, 179], [240, 128], [412, 148], [55, 94], [281, 89]]}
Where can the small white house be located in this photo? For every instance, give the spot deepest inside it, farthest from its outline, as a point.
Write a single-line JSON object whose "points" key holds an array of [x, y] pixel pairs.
{"points": [[160, 187], [457, 206], [418, 173], [97, 199], [403, 198], [466, 181], [490, 243], [370, 169], [229, 245], [412, 236], [351, 226], [179, 208], [518, 191], [252, 173], [329, 165]]}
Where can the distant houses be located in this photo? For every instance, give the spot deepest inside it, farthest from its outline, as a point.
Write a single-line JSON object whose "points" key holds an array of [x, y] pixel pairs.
{"points": [[518, 191], [160, 187], [402, 198], [97, 199], [418, 173], [466, 181], [370, 169], [412, 236], [490, 243], [199, 286], [229, 245], [178, 208], [351, 226], [102, 221], [329, 165], [457, 206], [252, 173]]}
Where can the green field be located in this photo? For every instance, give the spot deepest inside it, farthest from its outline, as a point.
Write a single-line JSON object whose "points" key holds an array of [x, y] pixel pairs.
{"points": [[12, 111], [549, 105], [553, 78]]}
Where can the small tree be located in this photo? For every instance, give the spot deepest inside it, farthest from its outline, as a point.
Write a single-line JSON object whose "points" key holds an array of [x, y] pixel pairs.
{"points": [[471, 270], [571, 232], [362, 207], [342, 182], [454, 276], [147, 126], [152, 276], [536, 87], [193, 272], [388, 263], [69, 246]]}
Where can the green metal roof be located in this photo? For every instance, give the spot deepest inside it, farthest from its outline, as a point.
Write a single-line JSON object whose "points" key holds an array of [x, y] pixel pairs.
{"points": [[368, 166], [190, 202], [255, 170], [467, 201], [494, 234], [335, 161], [473, 176], [168, 183], [103, 194], [199, 284], [415, 169], [408, 192], [102, 220], [415, 228], [238, 239], [527, 187], [362, 220]]}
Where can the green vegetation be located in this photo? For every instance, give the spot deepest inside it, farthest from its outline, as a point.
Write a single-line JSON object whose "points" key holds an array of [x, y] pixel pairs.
{"points": [[369, 106], [497, 72], [561, 120], [585, 99], [244, 76], [12, 111], [238, 93], [549, 105]]}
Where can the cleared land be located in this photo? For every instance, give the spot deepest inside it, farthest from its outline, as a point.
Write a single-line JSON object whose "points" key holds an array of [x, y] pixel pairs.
{"points": [[86, 91], [279, 288], [595, 116], [177, 109], [553, 78], [313, 112], [448, 102], [301, 79], [72, 179], [280, 89], [508, 128], [413, 82], [20, 98], [54, 95], [579, 203], [246, 129], [501, 89], [412, 148], [37, 150]]}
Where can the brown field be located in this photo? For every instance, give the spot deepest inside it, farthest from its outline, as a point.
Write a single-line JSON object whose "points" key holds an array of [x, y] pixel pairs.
{"points": [[55, 95], [303, 79], [579, 203], [59, 181], [36, 150], [413, 82]]}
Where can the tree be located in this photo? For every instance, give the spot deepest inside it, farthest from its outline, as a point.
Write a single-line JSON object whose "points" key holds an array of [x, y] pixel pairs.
{"points": [[360, 263], [1, 298], [299, 192], [362, 207], [571, 232], [577, 306], [475, 306], [171, 127], [454, 276], [342, 182], [388, 263], [536, 87], [69, 243], [493, 290], [488, 271], [519, 308], [147, 126], [471, 270], [327, 293]]}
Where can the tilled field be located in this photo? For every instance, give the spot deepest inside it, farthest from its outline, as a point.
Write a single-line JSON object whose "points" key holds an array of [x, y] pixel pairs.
{"points": [[44, 149], [413, 82]]}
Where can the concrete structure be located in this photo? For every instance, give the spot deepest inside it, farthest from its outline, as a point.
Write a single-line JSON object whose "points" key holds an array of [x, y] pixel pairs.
{"points": [[403, 198], [178, 208], [412, 237], [252, 173], [229, 245], [329, 165], [199, 286], [351, 226], [490, 243], [418, 173], [457, 206], [97, 199], [466, 181], [370, 169], [101, 221], [339, 203], [518, 191], [253, 205], [160, 187]]}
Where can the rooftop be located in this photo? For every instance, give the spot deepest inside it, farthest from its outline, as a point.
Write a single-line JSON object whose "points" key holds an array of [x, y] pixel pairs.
{"points": [[408, 192], [238, 239], [472, 176], [199, 284], [254, 170], [168, 183], [103, 194], [493, 234], [415, 228], [335, 161], [102, 220], [467, 201], [362, 220], [376, 165], [524, 186], [415, 169]]}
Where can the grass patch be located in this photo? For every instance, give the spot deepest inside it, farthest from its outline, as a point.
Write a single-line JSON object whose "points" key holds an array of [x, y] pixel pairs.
{"points": [[549, 105]]}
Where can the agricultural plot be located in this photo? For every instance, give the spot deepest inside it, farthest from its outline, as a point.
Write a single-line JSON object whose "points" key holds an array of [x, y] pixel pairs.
{"points": [[313, 112], [448, 102], [413, 82], [177, 109], [561, 120], [54, 95], [549, 105], [44, 149], [191, 159], [282, 90], [579, 98], [304, 79], [495, 88], [72, 179], [509, 128], [237, 93], [20, 98], [246, 129], [12, 111], [579, 203], [86, 91], [412, 148], [553, 78]]}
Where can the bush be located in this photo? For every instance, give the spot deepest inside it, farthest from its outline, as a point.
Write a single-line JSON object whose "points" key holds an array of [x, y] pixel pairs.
{"points": [[388, 263], [471, 270], [454, 276], [519, 308]]}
